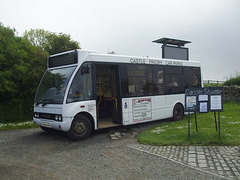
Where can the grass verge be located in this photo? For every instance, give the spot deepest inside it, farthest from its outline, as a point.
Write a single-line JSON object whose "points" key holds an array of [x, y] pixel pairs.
{"points": [[176, 133], [17, 125]]}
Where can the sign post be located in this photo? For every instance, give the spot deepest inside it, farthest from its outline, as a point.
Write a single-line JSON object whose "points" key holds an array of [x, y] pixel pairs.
{"points": [[188, 124], [190, 106], [204, 100], [219, 124], [196, 121]]}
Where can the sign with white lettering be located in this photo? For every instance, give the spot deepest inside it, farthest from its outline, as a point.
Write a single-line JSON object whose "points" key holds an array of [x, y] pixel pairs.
{"points": [[207, 99], [203, 100], [204, 91]]}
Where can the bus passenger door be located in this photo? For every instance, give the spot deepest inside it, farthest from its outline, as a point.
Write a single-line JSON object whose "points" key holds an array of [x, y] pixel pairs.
{"points": [[115, 95], [108, 98]]}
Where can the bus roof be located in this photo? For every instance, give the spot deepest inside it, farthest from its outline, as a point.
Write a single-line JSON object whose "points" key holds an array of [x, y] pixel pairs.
{"points": [[90, 55], [98, 57]]}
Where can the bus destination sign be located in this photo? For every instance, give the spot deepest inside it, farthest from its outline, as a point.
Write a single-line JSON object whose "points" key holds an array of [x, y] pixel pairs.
{"points": [[155, 62]]}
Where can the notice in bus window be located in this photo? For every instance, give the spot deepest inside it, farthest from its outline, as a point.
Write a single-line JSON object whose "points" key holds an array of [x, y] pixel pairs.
{"points": [[131, 89], [142, 109]]}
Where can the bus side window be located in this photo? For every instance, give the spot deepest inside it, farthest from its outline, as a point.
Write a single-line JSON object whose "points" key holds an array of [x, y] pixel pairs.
{"points": [[174, 80], [140, 80], [124, 80], [81, 87], [158, 80], [192, 77]]}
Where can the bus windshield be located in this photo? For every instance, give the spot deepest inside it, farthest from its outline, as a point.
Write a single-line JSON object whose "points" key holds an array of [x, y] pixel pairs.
{"points": [[53, 86]]}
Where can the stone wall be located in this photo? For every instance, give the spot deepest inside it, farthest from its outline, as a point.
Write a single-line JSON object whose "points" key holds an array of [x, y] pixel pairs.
{"points": [[231, 93]]}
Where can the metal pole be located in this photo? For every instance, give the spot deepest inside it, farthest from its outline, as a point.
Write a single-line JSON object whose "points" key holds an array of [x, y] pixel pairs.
{"points": [[218, 124], [188, 124], [196, 121], [215, 120]]}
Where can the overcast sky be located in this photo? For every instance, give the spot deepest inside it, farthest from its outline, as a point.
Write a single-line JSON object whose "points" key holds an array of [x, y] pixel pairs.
{"points": [[128, 27]]}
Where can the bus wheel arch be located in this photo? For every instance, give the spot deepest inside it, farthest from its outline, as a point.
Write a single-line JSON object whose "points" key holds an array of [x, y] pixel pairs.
{"points": [[89, 116], [178, 112], [81, 127]]}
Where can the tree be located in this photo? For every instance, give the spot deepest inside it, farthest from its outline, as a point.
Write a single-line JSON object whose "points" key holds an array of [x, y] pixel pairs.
{"points": [[60, 43], [11, 62], [22, 64], [51, 42], [37, 37]]}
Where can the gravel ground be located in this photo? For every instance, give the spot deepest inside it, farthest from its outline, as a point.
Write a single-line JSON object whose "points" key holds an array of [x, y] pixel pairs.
{"points": [[34, 154]]}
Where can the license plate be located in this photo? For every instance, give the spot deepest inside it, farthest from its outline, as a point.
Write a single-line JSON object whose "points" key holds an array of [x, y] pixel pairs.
{"points": [[46, 124]]}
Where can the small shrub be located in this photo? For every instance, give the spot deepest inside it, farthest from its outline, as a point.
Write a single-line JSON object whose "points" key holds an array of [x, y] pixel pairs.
{"points": [[233, 80]]}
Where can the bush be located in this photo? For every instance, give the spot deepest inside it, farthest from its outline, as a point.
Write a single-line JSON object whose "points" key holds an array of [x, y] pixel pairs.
{"points": [[233, 81], [16, 111]]}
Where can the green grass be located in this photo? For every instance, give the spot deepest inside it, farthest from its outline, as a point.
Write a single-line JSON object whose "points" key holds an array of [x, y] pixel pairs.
{"points": [[17, 125], [176, 133]]}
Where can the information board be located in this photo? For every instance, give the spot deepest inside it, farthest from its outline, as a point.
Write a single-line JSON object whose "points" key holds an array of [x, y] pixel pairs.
{"points": [[204, 99]]}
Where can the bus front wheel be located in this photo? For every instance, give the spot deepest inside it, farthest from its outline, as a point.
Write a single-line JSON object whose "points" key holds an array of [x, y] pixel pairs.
{"points": [[80, 129], [178, 112]]}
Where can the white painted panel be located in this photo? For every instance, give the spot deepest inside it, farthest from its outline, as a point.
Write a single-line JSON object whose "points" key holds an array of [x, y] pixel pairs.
{"points": [[149, 108]]}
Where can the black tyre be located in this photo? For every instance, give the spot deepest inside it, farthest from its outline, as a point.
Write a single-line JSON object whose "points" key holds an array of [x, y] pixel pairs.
{"points": [[80, 129], [178, 112]]}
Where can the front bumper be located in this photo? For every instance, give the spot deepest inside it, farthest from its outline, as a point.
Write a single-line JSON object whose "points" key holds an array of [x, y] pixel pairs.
{"points": [[65, 125]]}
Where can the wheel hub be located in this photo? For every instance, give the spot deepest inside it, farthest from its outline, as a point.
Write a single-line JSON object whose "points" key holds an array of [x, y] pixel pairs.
{"points": [[79, 128]]}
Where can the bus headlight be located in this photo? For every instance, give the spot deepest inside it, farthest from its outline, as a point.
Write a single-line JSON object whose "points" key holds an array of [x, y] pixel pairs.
{"points": [[58, 117], [36, 115]]}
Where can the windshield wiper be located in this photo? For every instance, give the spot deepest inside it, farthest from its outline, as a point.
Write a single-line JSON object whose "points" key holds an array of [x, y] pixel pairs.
{"points": [[39, 102], [43, 102]]}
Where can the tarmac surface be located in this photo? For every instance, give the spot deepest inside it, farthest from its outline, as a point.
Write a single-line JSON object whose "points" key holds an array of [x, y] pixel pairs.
{"points": [[221, 160]]}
